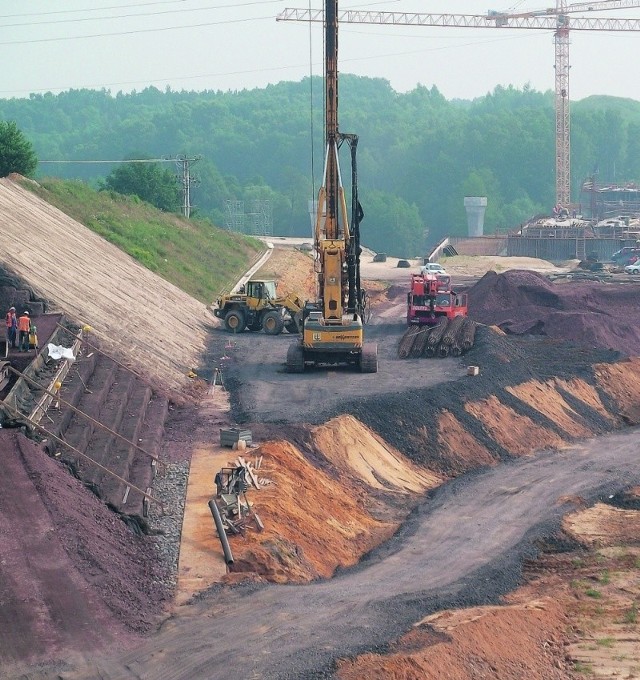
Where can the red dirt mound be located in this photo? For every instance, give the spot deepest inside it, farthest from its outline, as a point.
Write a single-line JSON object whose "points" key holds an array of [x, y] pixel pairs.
{"points": [[469, 643], [588, 313], [312, 525]]}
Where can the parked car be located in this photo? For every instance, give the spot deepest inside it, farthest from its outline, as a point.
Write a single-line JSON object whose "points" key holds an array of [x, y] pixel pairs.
{"points": [[626, 255], [633, 268], [432, 268]]}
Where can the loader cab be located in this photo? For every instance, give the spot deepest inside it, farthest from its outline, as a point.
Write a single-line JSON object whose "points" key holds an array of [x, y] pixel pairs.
{"points": [[261, 290]]}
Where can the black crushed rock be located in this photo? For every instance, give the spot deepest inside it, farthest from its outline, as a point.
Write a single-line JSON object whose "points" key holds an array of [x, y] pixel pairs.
{"points": [[408, 420]]}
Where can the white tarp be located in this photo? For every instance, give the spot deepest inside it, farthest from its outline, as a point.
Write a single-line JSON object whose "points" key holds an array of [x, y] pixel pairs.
{"points": [[60, 352]]}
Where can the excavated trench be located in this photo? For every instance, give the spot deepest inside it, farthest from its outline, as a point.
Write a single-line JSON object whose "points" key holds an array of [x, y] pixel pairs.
{"points": [[532, 393], [464, 546]]}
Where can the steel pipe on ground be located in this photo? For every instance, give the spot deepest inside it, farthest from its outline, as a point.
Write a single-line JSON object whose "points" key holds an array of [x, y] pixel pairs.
{"points": [[224, 541]]}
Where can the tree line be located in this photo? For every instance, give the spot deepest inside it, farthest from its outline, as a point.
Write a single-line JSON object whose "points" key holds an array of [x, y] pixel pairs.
{"points": [[419, 154]]}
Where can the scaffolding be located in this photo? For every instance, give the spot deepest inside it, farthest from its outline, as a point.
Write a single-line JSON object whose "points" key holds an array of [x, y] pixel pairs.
{"points": [[612, 200], [234, 216], [260, 218]]}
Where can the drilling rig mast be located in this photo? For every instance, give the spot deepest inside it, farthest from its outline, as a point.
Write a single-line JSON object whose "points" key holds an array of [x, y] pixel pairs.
{"points": [[332, 331]]}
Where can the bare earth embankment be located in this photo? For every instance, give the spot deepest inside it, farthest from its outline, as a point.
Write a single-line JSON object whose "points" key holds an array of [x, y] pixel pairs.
{"points": [[463, 576]]}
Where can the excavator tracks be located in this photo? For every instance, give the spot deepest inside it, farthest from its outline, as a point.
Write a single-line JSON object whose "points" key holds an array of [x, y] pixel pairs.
{"points": [[295, 358]]}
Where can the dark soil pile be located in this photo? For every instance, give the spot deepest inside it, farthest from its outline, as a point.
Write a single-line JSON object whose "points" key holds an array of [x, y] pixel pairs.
{"points": [[68, 557], [409, 421], [588, 313]]}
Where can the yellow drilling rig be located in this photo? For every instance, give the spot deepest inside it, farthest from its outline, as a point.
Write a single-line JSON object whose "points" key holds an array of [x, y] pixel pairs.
{"points": [[333, 324]]}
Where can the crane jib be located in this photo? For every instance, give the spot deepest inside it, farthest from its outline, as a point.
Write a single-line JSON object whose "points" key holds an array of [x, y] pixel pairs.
{"points": [[560, 19]]}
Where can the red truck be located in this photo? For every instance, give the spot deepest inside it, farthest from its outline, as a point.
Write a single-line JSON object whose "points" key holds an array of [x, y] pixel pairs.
{"points": [[431, 298]]}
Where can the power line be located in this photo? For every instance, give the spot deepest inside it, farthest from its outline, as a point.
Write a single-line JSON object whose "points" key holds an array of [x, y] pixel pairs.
{"points": [[139, 14], [162, 2], [186, 181], [184, 177], [132, 160], [89, 9], [136, 32], [221, 74], [166, 80]]}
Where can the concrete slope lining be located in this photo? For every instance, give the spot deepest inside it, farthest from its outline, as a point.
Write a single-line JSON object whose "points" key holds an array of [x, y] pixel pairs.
{"points": [[138, 316]]}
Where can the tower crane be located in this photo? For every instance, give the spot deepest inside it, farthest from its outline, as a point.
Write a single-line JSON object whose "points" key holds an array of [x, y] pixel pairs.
{"points": [[551, 19]]}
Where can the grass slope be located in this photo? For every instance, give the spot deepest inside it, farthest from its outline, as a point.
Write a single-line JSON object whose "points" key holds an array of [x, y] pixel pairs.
{"points": [[192, 254]]}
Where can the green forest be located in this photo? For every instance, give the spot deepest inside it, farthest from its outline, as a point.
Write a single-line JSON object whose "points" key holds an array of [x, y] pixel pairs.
{"points": [[418, 153]]}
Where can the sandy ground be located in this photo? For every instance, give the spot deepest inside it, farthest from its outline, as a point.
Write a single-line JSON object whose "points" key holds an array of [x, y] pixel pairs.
{"points": [[460, 267], [202, 560]]}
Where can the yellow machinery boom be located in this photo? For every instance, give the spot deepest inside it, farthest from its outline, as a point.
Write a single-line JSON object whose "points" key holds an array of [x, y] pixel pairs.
{"points": [[333, 324]]}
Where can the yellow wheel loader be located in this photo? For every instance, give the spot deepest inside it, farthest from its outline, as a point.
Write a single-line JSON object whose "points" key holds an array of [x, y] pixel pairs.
{"points": [[256, 306]]}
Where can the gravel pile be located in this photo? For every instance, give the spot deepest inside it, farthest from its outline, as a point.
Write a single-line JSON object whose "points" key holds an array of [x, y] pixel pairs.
{"points": [[165, 522]]}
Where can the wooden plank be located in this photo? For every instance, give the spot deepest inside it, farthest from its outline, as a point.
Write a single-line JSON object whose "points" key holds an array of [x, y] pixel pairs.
{"points": [[254, 479]]}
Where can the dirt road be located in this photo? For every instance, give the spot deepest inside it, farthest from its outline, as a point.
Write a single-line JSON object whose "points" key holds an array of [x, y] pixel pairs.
{"points": [[464, 546], [264, 392]]}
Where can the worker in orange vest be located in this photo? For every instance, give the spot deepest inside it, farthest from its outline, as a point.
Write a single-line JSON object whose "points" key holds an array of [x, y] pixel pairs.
{"points": [[24, 328]]}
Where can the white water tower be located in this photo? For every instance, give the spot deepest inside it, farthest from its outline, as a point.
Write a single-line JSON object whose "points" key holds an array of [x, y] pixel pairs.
{"points": [[475, 207]]}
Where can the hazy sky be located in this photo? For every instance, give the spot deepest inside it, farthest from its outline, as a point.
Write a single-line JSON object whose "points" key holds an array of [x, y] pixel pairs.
{"points": [[124, 45]]}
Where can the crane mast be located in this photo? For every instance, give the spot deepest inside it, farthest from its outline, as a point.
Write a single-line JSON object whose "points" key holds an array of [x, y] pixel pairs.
{"points": [[563, 119], [332, 228]]}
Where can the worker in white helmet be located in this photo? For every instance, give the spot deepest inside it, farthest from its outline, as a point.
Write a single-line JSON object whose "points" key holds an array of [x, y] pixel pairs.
{"points": [[24, 328]]}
